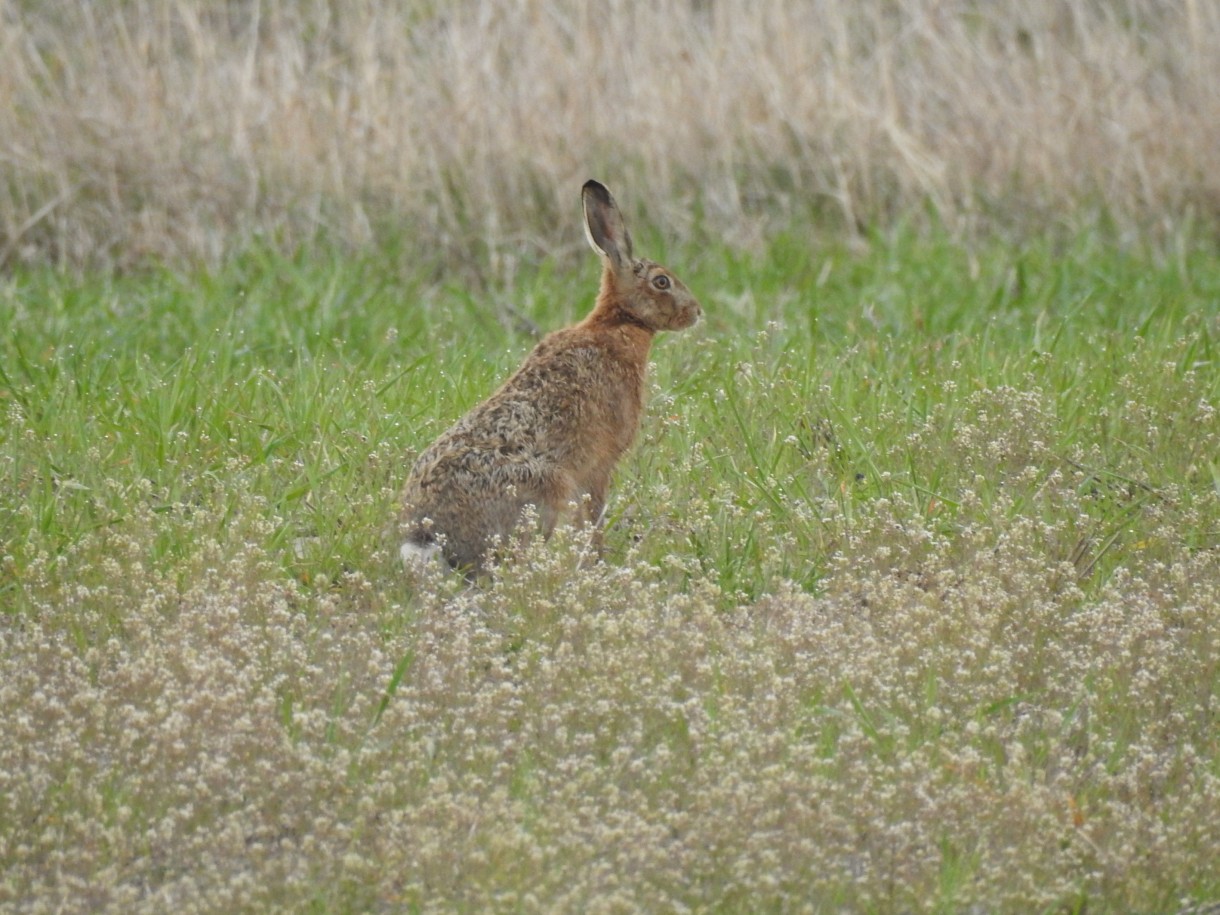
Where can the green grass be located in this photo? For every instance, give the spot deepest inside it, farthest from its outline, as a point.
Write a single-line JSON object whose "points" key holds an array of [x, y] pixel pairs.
{"points": [[913, 520], [816, 373]]}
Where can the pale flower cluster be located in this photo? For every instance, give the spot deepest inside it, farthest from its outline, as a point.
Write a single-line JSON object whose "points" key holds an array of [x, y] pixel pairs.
{"points": [[948, 723]]}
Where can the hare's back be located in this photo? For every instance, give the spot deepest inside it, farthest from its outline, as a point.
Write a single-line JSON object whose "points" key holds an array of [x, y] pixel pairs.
{"points": [[569, 377], [501, 431]]}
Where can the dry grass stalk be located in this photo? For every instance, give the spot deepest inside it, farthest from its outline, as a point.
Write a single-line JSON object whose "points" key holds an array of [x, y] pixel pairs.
{"points": [[157, 129]]}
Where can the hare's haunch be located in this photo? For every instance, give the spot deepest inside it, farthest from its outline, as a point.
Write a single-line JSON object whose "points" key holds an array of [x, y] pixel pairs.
{"points": [[551, 435]]}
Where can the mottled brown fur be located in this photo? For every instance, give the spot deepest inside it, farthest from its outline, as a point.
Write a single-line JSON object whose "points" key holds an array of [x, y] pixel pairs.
{"points": [[553, 432]]}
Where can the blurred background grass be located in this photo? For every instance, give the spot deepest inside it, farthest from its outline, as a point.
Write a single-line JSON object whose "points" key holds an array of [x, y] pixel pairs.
{"points": [[178, 130]]}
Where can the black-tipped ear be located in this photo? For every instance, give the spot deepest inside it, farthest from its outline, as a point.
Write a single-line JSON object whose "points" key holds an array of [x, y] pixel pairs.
{"points": [[604, 226]]}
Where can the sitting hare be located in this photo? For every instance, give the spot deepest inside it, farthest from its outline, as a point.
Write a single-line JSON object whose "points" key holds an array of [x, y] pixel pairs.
{"points": [[551, 435]]}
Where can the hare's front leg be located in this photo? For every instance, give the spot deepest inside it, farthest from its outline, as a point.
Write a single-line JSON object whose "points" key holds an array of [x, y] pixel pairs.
{"points": [[594, 512], [555, 493]]}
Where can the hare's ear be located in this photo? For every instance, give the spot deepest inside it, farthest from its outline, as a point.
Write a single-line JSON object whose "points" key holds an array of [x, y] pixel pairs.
{"points": [[604, 226]]}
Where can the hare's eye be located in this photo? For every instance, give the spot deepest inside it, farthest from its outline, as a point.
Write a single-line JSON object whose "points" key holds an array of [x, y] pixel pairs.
{"points": [[661, 282]]}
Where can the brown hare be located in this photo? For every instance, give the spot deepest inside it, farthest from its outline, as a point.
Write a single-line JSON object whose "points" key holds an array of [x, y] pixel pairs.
{"points": [[551, 435]]}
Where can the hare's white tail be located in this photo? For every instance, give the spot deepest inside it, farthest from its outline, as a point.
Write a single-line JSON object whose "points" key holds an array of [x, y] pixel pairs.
{"points": [[416, 556]]}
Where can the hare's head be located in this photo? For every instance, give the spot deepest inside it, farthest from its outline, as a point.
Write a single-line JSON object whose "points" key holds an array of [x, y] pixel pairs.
{"points": [[645, 292]]}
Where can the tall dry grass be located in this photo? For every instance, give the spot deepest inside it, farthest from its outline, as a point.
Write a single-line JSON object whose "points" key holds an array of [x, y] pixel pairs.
{"points": [[176, 128]]}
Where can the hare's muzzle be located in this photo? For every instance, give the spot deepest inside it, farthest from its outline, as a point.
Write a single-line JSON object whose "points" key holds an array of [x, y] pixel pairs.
{"points": [[689, 315]]}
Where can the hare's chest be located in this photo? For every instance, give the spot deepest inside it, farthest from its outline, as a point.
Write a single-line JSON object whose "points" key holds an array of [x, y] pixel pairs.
{"points": [[622, 405], [588, 398]]}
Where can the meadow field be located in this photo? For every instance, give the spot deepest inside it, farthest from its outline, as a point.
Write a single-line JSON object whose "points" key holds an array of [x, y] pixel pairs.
{"points": [[911, 600]]}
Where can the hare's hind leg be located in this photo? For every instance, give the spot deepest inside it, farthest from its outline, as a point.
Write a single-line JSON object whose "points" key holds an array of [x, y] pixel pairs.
{"points": [[519, 482]]}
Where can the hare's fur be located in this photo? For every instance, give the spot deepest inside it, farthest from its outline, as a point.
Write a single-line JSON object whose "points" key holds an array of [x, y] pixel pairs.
{"points": [[552, 434]]}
